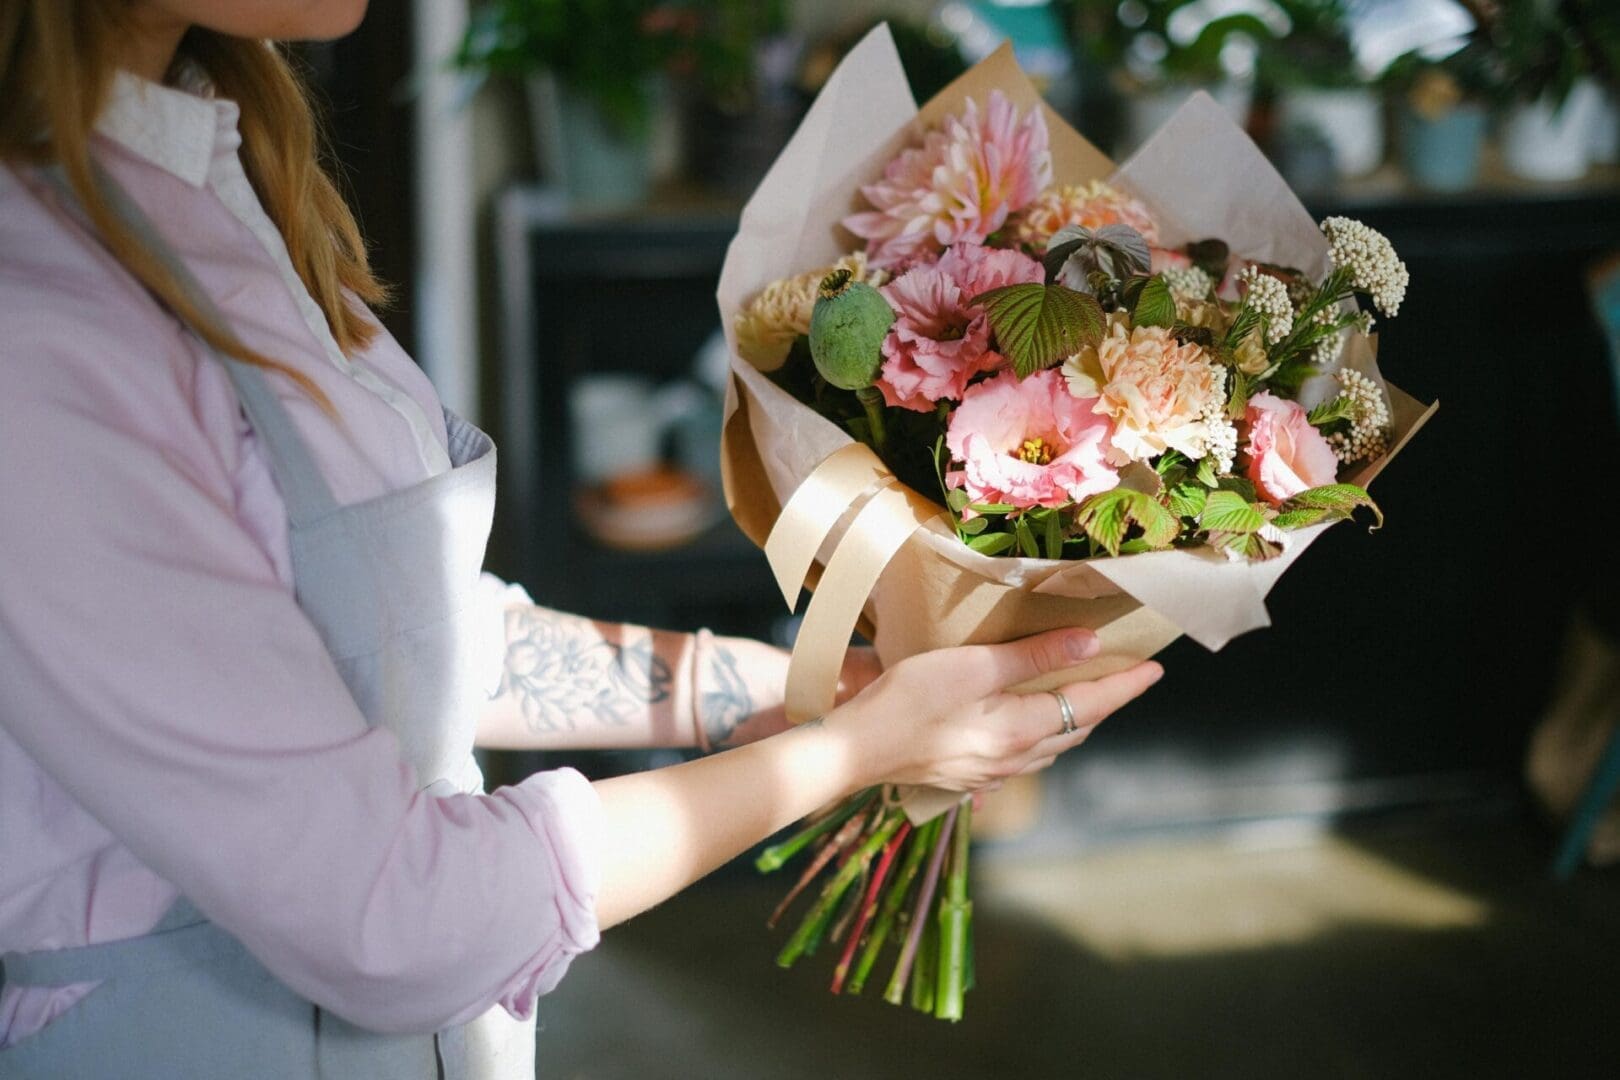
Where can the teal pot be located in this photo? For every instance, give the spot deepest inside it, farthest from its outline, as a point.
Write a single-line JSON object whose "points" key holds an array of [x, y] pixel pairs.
{"points": [[1442, 153], [597, 164]]}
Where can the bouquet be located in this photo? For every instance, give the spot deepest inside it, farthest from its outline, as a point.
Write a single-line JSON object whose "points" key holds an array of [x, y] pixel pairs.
{"points": [[986, 384]]}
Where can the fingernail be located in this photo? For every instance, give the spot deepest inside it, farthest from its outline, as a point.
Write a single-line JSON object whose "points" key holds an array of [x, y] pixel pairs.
{"points": [[1081, 646]]}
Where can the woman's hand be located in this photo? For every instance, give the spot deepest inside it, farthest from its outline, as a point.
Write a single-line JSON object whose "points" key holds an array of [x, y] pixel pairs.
{"points": [[946, 719]]}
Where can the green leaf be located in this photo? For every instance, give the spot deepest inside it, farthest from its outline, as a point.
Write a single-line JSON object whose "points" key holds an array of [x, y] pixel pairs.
{"points": [[1187, 500], [1040, 326], [1206, 473], [958, 500], [1241, 486], [992, 508], [973, 526], [1299, 519], [1340, 408], [991, 543], [1026, 539], [1229, 512], [1169, 460], [1154, 306], [1106, 518], [1054, 536], [1237, 396], [1244, 545], [1340, 500]]}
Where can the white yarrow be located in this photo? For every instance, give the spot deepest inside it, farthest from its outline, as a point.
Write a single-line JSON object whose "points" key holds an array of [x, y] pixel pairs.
{"points": [[1374, 267]]}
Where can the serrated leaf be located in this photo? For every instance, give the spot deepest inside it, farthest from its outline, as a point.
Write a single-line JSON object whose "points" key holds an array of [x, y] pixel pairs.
{"points": [[1131, 247], [1242, 486], [958, 500], [1299, 519], [973, 526], [1187, 500], [1039, 326], [1237, 395], [1341, 500], [1229, 512], [1206, 473], [1340, 408], [1074, 254], [1244, 545], [1107, 517], [991, 543], [1154, 305]]}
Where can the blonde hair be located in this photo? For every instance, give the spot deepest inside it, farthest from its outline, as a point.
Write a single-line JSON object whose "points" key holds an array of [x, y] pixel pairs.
{"points": [[57, 59]]}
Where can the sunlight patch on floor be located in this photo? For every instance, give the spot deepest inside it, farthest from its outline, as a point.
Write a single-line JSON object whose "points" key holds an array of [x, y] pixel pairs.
{"points": [[1248, 890]]}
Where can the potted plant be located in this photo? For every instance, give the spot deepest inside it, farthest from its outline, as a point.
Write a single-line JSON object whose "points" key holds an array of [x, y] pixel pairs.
{"points": [[738, 69], [1441, 110], [1319, 89], [1543, 63], [1157, 52], [1597, 23], [592, 69]]}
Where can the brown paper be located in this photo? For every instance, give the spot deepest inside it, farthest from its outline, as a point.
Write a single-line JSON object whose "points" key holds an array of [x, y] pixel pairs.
{"points": [[1201, 176]]}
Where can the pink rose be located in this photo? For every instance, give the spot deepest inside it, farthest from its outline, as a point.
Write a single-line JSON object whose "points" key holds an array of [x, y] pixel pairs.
{"points": [[1286, 454], [1028, 442]]}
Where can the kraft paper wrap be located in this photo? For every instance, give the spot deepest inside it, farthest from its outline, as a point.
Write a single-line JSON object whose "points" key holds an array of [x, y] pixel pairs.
{"points": [[877, 555]]}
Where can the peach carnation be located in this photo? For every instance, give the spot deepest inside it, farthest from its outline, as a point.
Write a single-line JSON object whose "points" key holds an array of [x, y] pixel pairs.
{"points": [[962, 183], [1090, 205], [1159, 393], [1028, 442], [1287, 455], [940, 339]]}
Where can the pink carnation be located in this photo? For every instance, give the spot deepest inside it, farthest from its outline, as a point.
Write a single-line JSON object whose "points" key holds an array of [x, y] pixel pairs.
{"points": [[940, 339], [1028, 442], [962, 183], [1287, 455]]}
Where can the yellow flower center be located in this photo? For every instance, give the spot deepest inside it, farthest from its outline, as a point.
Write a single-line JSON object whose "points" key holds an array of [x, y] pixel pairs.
{"points": [[1036, 452]]}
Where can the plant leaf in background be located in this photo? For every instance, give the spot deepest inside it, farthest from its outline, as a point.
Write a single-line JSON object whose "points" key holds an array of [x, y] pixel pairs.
{"points": [[1040, 326]]}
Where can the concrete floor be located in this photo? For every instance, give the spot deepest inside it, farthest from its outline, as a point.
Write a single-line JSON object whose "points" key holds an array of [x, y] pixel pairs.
{"points": [[1408, 947]]}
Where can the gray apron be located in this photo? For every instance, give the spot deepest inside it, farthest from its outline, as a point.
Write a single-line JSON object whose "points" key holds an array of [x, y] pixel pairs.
{"points": [[390, 585]]}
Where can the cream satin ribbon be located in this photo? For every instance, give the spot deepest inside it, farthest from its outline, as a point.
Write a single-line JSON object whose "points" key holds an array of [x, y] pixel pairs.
{"points": [[891, 512]]}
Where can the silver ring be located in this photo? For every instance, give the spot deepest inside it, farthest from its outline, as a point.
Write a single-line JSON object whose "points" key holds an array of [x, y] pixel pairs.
{"points": [[1068, 712]]}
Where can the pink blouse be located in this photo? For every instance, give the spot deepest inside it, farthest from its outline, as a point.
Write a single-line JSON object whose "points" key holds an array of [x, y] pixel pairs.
{"points": [[169, 720]]}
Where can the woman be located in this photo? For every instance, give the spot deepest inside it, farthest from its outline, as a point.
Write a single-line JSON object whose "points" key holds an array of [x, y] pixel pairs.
{"points": [[245, 649]]}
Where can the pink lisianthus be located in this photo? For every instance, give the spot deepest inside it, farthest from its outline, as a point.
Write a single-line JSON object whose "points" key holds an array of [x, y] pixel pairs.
{"points": [[1287, 455], [1028, 442], [940, 339], [961, 184], [1090, 206]]}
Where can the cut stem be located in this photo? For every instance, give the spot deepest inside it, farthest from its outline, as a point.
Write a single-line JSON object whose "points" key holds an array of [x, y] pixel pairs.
{"points": [[869, 907], [922, 842], [775, 856], [896, 992], [815, 923], [955, 918], [840, 840]]}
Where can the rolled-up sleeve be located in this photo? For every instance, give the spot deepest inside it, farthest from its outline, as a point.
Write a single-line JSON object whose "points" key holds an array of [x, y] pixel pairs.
{"points": [[156, 668]]}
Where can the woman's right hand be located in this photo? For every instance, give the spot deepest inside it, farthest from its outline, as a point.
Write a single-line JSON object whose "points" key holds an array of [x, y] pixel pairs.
{"points": [[946, 718]]}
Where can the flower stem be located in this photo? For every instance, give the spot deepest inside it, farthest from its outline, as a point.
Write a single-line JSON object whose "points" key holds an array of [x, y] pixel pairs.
{"points": [[922, 842], [869, 907], [871, 399], [777, 855], [815, 923], [896, 992], [955, 918], [839, 841]]}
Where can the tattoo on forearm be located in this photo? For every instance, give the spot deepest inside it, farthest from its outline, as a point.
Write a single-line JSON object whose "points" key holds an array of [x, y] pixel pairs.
{"points": [[560, 669], [724, 702]]}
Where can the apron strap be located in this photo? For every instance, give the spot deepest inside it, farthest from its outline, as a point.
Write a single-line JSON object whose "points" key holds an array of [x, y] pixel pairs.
{"points": [[303, 486]]}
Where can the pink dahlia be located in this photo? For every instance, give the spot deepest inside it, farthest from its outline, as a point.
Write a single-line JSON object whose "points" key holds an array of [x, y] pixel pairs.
{"points": [[940, 339], [961, 184], [1090, 205], [1028, 442]]}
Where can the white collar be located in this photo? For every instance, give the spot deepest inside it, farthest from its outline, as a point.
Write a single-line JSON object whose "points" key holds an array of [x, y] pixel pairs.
{"points": [[170, 128]]}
